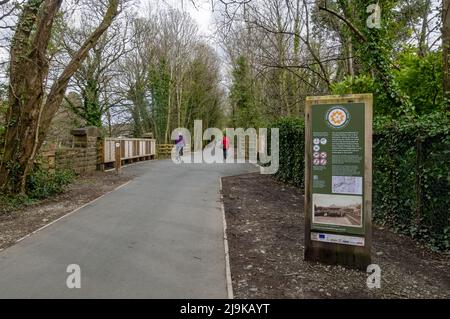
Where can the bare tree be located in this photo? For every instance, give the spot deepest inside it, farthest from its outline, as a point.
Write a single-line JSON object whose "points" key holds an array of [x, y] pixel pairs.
{"points": [[94, 80], [30, 109], [284, 47], [171, 77]]}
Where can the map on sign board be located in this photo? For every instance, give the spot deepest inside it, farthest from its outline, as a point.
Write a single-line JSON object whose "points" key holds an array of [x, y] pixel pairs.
{"points": [[347, 185]]}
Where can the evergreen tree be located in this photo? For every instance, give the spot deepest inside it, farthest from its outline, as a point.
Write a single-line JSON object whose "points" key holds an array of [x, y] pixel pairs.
{"points": [[244, 111]]}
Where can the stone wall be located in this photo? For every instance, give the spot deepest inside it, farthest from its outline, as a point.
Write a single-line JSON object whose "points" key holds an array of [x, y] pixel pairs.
{"points": [[82, 157], [81, 160]]}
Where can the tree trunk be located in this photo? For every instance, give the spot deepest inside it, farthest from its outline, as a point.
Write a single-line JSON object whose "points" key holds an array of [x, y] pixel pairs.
{"points": [[351, 66], [29, 116], [180, 99], [28, 71], [109, 118], [423, 49], [169, 108], [446, 48]]}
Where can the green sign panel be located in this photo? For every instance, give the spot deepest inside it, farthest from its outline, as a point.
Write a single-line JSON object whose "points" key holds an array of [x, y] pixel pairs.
{"points": [[337, 148]]}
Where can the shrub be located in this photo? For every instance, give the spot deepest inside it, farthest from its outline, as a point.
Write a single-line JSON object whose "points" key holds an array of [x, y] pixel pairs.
{"points": [[292, 150], [42, 184], [10, 203]]}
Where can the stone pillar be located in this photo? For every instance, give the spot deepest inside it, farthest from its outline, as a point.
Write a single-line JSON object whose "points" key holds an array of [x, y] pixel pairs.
{"points": [[85, 137], [83, 157]]}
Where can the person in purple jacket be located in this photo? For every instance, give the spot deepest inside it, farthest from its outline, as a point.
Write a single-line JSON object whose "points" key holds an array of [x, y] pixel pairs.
{"points": [[179, 144]]}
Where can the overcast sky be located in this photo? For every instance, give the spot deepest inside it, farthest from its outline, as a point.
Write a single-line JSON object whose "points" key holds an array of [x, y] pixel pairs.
{"points": [[201, 12]]}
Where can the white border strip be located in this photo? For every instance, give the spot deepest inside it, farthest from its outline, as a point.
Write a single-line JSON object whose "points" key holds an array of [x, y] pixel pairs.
{"points": [[225, 241], [70, 213]]}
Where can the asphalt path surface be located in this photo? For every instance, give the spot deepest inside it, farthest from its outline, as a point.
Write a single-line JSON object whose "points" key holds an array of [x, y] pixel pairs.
{"points": [[160, 236]]}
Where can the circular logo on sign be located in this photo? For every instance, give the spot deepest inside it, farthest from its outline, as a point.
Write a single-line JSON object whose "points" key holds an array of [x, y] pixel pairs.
{"points": [[338, 117]]}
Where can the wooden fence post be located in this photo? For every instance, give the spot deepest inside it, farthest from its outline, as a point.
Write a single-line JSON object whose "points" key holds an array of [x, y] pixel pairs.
{"points": [[118, 163]]}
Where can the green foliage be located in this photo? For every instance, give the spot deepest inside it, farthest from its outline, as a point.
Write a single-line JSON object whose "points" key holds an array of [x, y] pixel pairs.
{"points": [[241, 95], [364, 84], [411, 179], [92, 112], [42, 183], [202, 95], [160, 84], [140, 110], [292, 150], [361, 83], [375, 52], [421, 79], [418, 78], [10, 203], [90, 109]]}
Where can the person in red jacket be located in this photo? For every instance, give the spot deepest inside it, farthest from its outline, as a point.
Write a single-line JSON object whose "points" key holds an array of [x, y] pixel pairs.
{"points": [[225, 145]]}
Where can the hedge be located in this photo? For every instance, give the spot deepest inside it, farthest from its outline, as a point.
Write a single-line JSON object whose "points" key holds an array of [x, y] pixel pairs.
{"points": [[292, 150], [411, 178], [411, 182]]}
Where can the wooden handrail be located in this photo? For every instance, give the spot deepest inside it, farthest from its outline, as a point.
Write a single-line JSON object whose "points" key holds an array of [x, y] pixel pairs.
{"points": [[131, 148]]}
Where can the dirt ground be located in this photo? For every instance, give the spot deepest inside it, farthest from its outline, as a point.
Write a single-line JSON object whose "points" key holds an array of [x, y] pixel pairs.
{"points": [[19, 223], [266, 238]]}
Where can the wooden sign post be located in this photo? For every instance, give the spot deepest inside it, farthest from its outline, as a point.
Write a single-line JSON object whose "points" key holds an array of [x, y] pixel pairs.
{"points": [[118, 157], [338, 179]]}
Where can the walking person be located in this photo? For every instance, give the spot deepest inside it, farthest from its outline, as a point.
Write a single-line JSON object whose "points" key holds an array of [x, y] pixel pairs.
{"points": [[225, 146]]}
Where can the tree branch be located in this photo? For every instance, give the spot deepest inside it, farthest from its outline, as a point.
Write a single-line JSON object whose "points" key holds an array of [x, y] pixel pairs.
{"points": [[59, 87], [346, 21]]}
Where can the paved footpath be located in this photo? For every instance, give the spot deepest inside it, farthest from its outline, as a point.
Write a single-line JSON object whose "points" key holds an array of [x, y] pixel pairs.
{"points": [[160, 236]]}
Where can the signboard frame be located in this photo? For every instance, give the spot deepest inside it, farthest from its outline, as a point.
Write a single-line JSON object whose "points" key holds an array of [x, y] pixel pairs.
{"points": [[333, 246]]}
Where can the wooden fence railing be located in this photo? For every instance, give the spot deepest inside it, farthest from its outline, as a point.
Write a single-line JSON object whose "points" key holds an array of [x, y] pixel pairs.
{"points": [[131, 150], [165, 150]]}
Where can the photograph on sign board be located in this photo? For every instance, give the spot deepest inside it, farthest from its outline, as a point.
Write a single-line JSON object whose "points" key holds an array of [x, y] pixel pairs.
{"points": [[351, 185], [339, 210]]}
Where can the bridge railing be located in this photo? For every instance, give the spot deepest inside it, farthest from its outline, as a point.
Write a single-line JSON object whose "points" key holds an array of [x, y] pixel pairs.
{"points": [[131, 150], [165, 150]]}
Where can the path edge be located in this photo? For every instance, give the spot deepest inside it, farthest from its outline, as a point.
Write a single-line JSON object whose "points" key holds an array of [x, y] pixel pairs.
{"points": [[66, 215], [225, 242]]}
